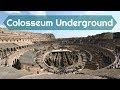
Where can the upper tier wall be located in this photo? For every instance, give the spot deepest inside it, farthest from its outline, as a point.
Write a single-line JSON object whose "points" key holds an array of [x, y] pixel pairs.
{"points": [[7, 36]]}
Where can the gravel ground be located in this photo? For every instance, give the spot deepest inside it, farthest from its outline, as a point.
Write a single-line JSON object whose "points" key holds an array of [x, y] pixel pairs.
{"points": [[67, 76], [108, 73], [12, 73]]}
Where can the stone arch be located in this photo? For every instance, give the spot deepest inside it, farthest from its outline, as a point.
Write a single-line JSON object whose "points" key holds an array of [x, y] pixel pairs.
{"points": [[15, 60], [13, 63], [37, 72], [19, 47], [16, 64], [5, 53], [12, 49], [7, 49]]}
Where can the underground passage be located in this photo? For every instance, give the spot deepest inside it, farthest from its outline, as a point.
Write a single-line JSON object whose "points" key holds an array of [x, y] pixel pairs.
{"points": [[57, 61], [61, 58]]}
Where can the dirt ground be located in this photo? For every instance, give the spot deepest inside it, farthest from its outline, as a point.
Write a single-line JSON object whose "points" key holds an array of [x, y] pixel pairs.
{"points": [[12, 73]]}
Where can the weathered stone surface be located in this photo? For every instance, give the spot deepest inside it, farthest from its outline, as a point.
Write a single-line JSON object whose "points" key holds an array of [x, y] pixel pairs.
{"points": [[42, 53]]}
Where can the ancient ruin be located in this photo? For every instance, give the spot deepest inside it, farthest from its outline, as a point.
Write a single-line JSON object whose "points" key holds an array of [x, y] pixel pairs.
{"points": [[38, 53]]}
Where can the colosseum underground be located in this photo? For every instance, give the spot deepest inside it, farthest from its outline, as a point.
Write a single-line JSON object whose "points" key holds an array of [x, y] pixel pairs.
{"points": [[27, 55]]}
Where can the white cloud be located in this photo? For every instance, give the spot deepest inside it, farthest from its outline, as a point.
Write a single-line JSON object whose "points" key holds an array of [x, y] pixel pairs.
{"points": [[2, 26], [94, 12], [37, 12], [12, 12]]}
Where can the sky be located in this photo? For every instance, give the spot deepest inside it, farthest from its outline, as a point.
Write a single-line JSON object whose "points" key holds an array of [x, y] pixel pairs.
{"points": [[65, 33]]}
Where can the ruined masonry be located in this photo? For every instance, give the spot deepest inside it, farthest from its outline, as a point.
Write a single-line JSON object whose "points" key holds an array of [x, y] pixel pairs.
{"points": [[36, 52]]}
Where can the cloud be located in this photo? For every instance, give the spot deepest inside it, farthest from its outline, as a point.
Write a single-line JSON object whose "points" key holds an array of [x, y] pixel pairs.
{"points": [[2, 26], [37, 12], [12, 12], [94, 12]]}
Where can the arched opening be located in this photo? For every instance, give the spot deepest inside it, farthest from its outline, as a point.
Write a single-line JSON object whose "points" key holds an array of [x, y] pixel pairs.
{"points": [[13, 62], [5, 53], [28, 68], [13, 65], [14, 49], [17, 64], [11, 49], [19, 47], [37, 72], [8, 51]]}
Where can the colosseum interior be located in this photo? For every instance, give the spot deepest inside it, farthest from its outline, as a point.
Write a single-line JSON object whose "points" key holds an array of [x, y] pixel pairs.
{"points": [[40, 56]]}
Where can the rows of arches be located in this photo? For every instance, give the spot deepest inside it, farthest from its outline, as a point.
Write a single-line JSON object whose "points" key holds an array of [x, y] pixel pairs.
{"points": [[17, 40], [14, 40], [4, 53], [117, 50]]}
